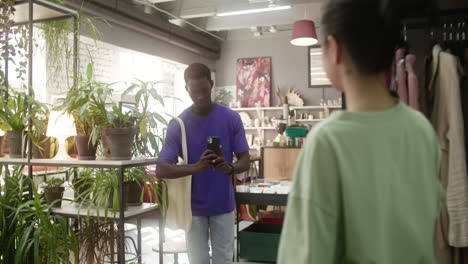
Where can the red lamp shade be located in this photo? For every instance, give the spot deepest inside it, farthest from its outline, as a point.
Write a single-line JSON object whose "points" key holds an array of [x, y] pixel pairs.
{"points": [[304, 33]]}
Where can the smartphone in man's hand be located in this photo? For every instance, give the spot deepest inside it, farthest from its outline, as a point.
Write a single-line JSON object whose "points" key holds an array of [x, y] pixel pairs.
{"points": [[212, 143]]}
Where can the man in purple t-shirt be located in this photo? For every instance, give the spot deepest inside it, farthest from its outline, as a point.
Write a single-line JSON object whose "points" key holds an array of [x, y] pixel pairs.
{"points": [[212, 191]]}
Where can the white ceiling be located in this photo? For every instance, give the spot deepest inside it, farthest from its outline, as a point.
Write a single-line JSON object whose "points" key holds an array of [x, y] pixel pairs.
{"points": [[203, 13]]}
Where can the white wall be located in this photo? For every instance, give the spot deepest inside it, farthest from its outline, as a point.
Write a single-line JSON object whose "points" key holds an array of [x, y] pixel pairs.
{"points": [[289, 63], [129, 39]]}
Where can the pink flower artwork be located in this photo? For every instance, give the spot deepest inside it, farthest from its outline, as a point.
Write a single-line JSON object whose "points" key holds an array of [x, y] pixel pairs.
{"points": [[254, 81]]}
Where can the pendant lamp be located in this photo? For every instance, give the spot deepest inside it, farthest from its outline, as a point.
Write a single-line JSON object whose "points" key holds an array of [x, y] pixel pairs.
{"points": [[304, 33]]}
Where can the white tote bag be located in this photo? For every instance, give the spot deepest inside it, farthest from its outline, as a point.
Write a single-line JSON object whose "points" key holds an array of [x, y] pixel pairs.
{"points": [[179, 210]]}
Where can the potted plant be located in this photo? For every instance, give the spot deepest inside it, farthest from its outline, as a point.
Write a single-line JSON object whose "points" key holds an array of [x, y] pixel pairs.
{"points": [[82, 184], [28, 227], [13, 120], [53, 192], [86, 102], [148, 119], [119, 132], [105, 192]]}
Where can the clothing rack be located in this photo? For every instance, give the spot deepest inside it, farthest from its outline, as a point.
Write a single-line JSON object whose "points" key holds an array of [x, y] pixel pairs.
{"points": [[448, 21]]}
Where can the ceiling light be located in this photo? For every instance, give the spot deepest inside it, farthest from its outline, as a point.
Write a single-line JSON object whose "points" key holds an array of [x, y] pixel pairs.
{"points": [[253, 11], [304, 33]]}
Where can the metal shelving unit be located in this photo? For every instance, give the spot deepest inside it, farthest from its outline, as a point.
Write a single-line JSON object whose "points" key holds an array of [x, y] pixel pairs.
{"points": [[30, 12], [72, 211]]}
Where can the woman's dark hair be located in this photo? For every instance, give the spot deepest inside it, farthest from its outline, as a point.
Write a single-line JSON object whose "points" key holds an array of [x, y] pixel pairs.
{"points": [[197, 71], [369, 30]]}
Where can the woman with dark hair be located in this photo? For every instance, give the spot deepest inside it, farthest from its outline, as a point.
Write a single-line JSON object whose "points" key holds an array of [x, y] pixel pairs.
{"points": [[366, 187]]}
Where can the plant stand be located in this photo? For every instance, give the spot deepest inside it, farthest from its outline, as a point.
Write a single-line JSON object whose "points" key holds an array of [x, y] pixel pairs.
{"points": [[72, 210]]}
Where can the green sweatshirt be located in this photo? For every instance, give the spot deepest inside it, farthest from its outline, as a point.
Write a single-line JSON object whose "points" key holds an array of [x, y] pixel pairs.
{"points": [[366, 190]]}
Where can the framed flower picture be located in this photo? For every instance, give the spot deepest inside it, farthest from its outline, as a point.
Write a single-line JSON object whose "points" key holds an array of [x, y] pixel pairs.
{"points": [[253, 82]]}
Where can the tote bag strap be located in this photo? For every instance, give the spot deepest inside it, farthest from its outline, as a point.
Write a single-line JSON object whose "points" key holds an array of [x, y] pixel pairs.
{"points": [[184, 140]]}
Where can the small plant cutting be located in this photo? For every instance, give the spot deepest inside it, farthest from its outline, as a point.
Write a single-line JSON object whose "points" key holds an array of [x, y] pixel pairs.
{"points": [[53, 192]]}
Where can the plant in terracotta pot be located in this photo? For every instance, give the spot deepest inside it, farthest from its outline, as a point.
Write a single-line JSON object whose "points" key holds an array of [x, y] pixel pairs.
{"points": [[13, 120], [120, 131], [149, 120], [53, 192], [86, 102]]}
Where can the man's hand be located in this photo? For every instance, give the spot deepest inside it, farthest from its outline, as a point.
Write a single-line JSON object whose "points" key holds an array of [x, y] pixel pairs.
{"points": [[221, 163], [205, 162]]}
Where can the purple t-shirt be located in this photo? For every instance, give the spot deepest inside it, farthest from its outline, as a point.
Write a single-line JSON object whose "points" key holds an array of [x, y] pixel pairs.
{"points": [[212, 191]]}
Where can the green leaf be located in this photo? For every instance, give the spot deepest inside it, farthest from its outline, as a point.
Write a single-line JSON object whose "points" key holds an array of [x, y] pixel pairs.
{"points": [[143, 129], [156, 96], [89, 71]]}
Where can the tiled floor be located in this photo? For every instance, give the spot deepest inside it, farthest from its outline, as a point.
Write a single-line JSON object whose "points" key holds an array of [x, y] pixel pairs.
{"points": [[150, 237]]}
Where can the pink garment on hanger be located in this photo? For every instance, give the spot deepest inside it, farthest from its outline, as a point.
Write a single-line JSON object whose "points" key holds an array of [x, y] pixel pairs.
{"points": [[401, 88], [413, 90]]}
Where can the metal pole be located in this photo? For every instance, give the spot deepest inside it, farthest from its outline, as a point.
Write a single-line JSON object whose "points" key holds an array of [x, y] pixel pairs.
{"points": [[30, 78], [161, 238], [139, 239], [237, 233], [121, 231], [7, 56], [75, 49]]}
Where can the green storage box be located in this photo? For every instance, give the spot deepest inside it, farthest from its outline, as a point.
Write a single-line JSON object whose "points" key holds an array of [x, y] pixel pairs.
{"points": [[295, 132], [260, 242]]}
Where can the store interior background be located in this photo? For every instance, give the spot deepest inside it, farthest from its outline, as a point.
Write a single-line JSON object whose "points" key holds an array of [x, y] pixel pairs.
{"points": [[129, 25], [132, 31]]}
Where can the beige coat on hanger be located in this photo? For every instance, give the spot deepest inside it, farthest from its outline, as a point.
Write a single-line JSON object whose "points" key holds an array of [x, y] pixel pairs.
{"points": [[447, 119]]}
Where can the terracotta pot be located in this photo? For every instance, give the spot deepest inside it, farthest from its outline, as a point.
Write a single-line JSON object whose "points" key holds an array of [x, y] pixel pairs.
{"points": [[105, 144], [53, 194], [1, 146], [134, 193], [5, 146], [15, 140], [45, 152], [86, 151], [120, 142]]}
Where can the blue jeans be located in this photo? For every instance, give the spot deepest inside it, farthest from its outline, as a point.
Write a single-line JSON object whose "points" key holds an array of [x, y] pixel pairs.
{"points": [[220, 229]]}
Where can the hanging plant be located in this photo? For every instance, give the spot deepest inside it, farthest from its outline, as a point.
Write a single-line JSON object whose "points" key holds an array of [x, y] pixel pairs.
{"points": [[14, 43]]}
